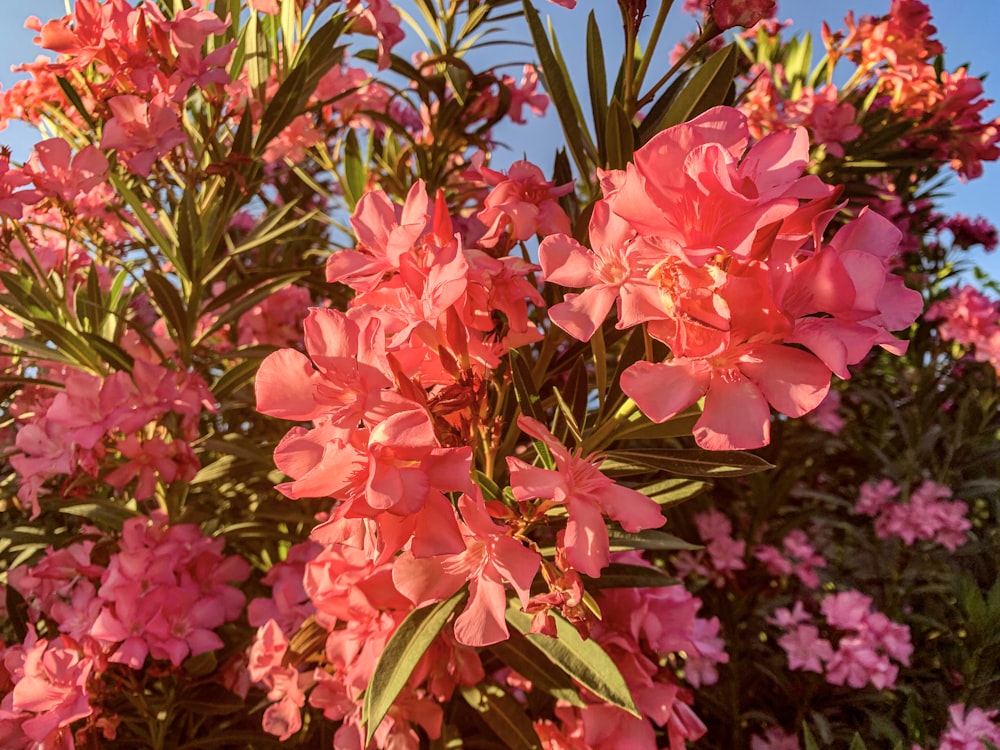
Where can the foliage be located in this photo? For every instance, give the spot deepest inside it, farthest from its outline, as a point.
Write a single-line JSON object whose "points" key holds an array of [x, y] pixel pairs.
{"points": [[322, 431]]}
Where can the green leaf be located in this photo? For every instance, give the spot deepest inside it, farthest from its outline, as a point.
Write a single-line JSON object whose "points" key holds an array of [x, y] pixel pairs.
{"points": [[400, 657], [688, 462], [620, 137], [106, 514], [110, 352], [163, 238], [653, 121], [671, 491], [171, 306], [312, 61], [355, 172], [70, 342], [76, 101], [557, 84], [857, 743], [518, 653], [646, 539], [807, 737], [707, 88], [250, 291], [503, 714], [524, 387], [236, 377], [622, 576], [584, 661], [597, 79]]}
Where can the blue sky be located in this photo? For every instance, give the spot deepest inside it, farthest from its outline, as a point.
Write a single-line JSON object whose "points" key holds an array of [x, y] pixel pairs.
{"points": [[968, 29]]}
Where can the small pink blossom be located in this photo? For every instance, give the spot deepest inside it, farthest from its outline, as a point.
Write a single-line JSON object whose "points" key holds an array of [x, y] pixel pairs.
{"points": [[587, 494], [142, 131]]}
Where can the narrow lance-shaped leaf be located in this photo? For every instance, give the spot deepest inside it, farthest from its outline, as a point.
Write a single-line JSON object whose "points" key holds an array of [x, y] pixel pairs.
{"points": [[619, 138], [524, 386], [597, 79], [690, 462], [647, 539], [521, 655], [168, 300], [558, 86], [707, 88], [503, 714], [622, 576], [402, 653], [584, 661]]}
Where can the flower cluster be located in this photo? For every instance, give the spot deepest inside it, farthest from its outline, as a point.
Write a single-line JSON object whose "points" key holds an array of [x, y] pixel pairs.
{"points": [[970, 728], [724, 261], [160, 592], [971, 319], [929, 514], [895, 74], [868, 648]]}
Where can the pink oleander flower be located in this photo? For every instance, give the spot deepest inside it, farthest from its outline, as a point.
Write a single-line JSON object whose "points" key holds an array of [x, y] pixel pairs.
{"points": [[774, 738], [142, 131], [522, 204], [380, 19], [969, 728], [12, 200], [491, 558], [970, 318], [151, 461], [587, 495], [524, 94], [929, 515], [967, 232], [49, 692], [615, 272], [805, 649], [267, 7], [873, 497], [745, 13], [57, 173], [688, 215]]}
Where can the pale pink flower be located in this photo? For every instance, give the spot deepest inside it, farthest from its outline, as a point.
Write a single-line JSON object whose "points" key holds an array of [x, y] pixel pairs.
{"points": [[50, 689], [522, 204], [969, 727], [746, 13], [774, 738], [615, 272], [805, 649], [142, 131], [491, 558], [587, 494], [56, 172]]}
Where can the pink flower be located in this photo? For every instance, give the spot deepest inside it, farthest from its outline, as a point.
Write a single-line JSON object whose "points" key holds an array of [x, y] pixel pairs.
{"points": [[56, 173], [587, 494], [267, 7], [12, 200], [969, 727], [774, 738], [491, 557], [522, 204], [738, 387], [615, 272], [805, 649], [50, 689], [142, 131], [746, 13]]}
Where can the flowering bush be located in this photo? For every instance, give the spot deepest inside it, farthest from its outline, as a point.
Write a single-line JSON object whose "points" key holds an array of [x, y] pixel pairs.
{"points": [[324, 431]]}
